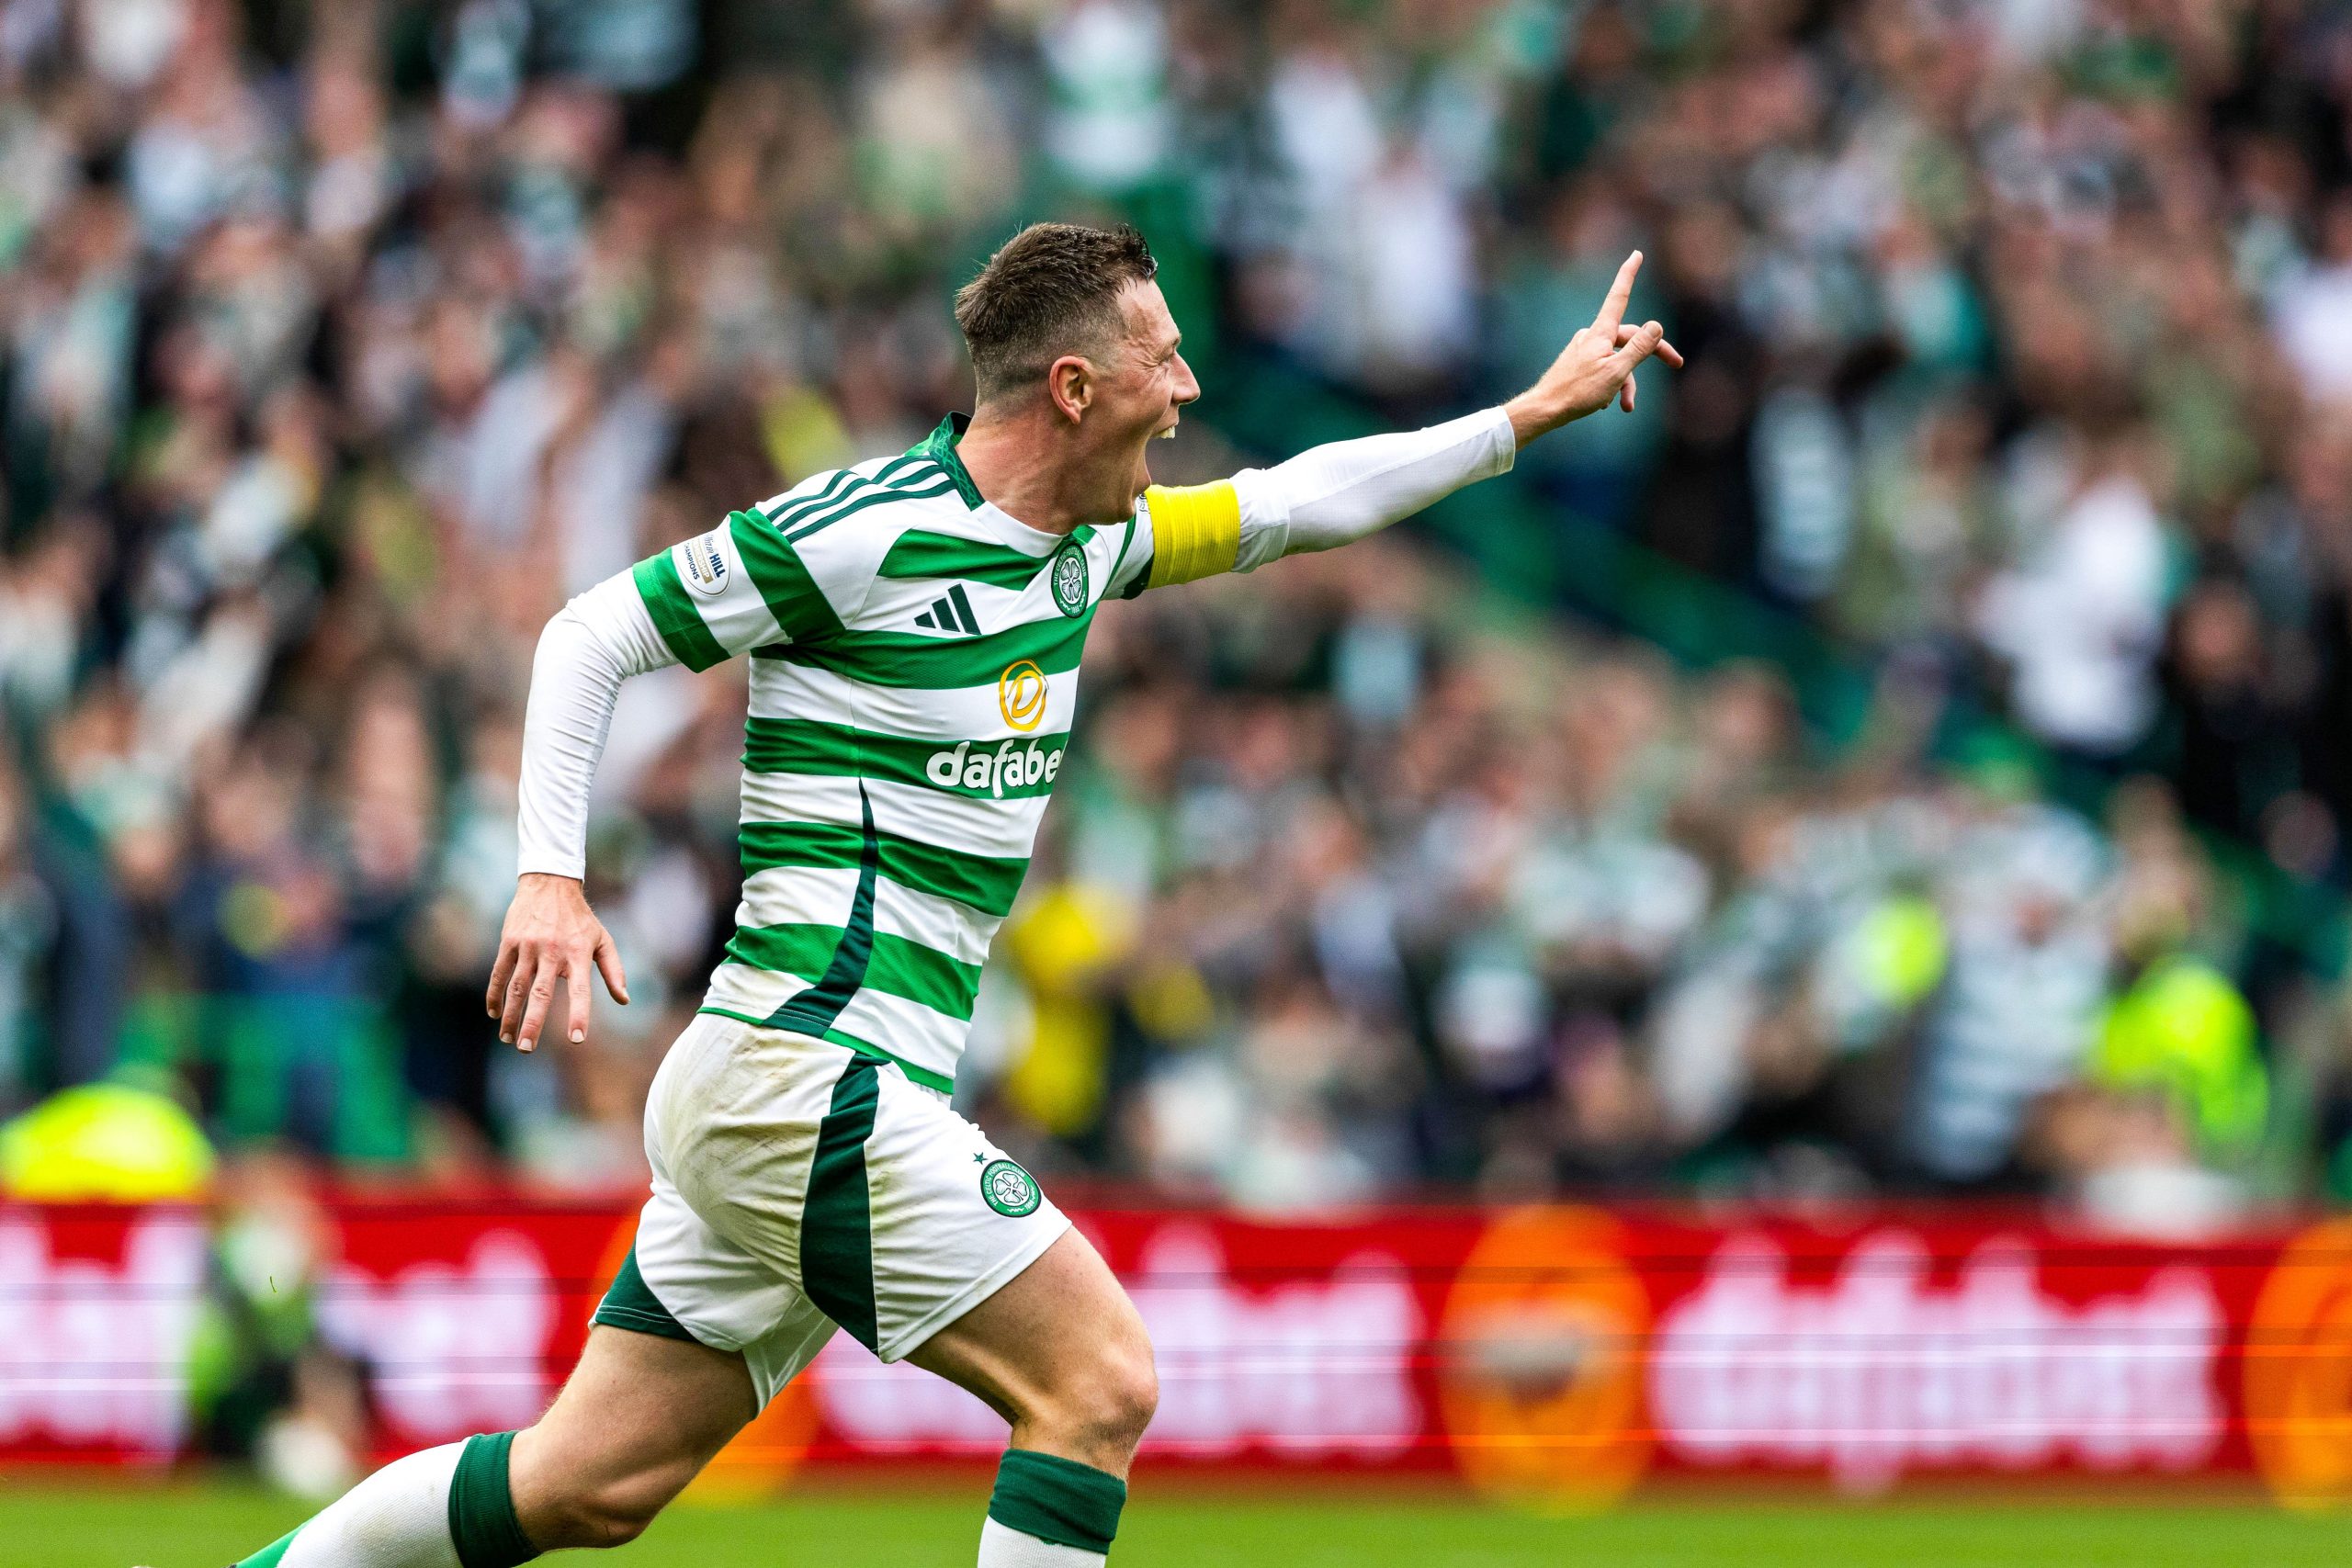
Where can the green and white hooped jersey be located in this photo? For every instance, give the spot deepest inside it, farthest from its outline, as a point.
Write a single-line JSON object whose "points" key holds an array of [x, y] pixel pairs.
{"points": [[914, 672]]}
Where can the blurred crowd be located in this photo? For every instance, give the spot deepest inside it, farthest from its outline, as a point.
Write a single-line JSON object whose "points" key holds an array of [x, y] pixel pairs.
{"points": [[340, 344]]}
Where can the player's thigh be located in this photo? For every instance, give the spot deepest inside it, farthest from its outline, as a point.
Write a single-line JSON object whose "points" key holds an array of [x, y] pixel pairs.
{"points": [[1060, 1352], [638, 1419]]}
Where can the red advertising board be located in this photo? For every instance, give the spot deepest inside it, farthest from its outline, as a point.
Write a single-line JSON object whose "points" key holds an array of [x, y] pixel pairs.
{"points": [[1561, 1356]]}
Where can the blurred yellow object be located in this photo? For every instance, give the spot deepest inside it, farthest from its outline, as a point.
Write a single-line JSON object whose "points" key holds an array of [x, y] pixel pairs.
{"points": [[2185, 1029], [803, 434], [1172, 1002], [105, 1142], [1903, 950], [1062, 947]]}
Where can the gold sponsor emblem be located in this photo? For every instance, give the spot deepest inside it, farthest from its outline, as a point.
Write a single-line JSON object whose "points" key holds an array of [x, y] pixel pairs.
{"points": [[2299, 1371], [1540, 1375], [1021, 695]]}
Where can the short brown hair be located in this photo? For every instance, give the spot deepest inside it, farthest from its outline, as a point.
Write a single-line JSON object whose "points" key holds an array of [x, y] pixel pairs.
{"points": [[1052, 290]]}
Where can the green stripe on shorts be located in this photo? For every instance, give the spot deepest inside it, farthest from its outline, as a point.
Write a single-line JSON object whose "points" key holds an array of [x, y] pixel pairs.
{"points": [[631, 1304], [836, 1222]]}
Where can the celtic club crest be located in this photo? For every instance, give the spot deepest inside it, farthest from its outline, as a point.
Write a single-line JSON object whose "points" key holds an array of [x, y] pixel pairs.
{"points": [[1070, 578], [1009, 1190]]}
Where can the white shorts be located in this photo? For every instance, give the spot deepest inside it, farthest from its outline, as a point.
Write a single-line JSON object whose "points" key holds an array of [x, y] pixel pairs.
{"points": [[798, 1186]]}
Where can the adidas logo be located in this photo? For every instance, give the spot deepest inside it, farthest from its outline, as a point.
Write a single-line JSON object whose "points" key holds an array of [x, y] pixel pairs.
{"points": [[953, 613]]}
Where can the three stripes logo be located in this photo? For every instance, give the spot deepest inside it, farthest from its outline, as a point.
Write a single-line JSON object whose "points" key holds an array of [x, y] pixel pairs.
{"points": [[951, 613]]}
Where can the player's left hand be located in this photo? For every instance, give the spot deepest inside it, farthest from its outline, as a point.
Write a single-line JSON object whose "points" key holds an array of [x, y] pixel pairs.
{"points": [[1596, 366]]}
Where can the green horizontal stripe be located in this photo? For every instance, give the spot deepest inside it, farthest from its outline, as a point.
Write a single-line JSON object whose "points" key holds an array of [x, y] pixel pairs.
{"points": [[675, 616], [792, 595], [919, 553], [906, 660], [987, 883], [997, 770], [923, 1076], [899, 966]]}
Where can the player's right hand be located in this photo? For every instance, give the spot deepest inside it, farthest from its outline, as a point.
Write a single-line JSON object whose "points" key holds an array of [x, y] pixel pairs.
{"points": [[1596, 368], [550, 932]]}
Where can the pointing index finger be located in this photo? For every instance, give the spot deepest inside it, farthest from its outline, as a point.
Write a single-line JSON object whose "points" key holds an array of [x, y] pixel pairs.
{"points": [[1612, 308]]}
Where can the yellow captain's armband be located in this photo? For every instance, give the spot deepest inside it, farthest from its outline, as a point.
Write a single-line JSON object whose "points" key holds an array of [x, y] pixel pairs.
{"points": [[1196, 531]]}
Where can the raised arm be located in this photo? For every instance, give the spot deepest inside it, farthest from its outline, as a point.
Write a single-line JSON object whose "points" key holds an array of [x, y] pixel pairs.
{"points": [[1345, 490]]}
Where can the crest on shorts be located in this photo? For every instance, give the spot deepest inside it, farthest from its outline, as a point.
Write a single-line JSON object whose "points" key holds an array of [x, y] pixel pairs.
{"points": [[1068, 579], [1009, 1190]]}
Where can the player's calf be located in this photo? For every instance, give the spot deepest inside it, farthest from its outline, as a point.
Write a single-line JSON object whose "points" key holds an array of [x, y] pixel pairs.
{"points": [[636, 1421], [1062, 1355], [639, 1418], [596, 1510]]}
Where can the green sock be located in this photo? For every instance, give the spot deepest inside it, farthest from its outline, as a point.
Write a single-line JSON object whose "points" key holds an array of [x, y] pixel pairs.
{"points": [[424, 1508], [481, 1506], [1058, 1500]]}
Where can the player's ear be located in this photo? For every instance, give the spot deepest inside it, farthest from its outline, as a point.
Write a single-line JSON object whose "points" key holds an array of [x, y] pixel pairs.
{"points": [[1069, 382]]}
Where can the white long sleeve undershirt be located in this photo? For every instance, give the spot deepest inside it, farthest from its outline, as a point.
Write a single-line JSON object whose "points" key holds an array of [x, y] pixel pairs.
{"points": [[593, 644], [1326, 495], [1331, 494]]}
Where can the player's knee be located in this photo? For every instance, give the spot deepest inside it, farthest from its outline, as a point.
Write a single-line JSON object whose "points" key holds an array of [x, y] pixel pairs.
{"points": [[1122, 1393], [1136, 1398]]}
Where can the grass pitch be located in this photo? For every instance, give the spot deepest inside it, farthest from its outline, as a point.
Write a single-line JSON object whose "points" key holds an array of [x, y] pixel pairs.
{"points": [[55, 1526]]}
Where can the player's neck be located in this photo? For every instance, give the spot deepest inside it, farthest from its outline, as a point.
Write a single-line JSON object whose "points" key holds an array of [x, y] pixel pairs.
{"points": [[1040, 472]]}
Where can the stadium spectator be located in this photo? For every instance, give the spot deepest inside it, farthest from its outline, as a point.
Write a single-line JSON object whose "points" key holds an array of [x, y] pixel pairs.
{"points": [[338, 346]]}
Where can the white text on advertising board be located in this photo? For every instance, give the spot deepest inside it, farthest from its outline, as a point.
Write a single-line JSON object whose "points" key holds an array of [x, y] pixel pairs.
{"points": [[1880, 1372]]}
